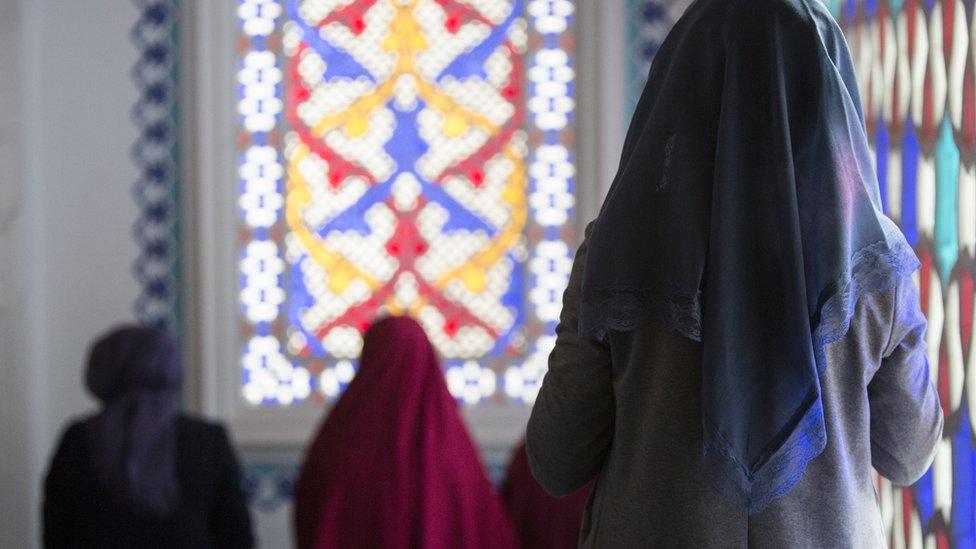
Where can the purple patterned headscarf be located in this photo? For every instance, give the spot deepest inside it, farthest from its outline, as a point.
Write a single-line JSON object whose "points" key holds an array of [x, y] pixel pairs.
{"points": [[136, 373]]}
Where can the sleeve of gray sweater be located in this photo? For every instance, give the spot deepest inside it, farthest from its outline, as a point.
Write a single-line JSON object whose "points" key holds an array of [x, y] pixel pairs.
{"points": [[571, 426], [906, 418]]}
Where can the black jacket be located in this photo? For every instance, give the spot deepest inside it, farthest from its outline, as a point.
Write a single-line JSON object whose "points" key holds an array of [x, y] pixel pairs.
{"points": [[212, 512]]}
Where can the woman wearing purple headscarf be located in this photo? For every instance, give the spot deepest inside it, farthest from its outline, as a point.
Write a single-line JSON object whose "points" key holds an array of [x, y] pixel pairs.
{"points": [[139, 473]]}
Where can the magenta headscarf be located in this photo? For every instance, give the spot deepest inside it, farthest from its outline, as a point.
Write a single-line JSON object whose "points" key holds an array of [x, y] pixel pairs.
{"points": [[136, 374], [393, 465], [542, 521]]}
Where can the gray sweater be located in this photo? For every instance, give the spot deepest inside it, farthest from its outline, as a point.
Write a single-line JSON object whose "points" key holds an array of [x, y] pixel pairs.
{"points": [[629, 413]]}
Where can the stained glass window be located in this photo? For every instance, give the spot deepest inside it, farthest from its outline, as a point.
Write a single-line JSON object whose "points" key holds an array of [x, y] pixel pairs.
{"points": [[916, 64], [408, 157]]}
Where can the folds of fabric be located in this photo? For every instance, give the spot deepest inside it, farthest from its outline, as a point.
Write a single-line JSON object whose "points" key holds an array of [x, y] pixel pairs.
{"points": [[542, 521], [746, 215], [393, 465]]}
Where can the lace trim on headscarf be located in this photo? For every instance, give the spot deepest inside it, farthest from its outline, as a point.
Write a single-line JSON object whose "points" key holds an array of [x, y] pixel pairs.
{"points": [[876, 268]]}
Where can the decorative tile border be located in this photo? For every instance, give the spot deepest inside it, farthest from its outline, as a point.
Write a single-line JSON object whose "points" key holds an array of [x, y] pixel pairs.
{"points": [[156, 154], [268, 486], [650, 23]]}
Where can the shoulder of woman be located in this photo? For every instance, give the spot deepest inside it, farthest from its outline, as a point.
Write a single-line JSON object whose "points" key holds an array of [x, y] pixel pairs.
{"points": [[72, 446], [74, 432]]}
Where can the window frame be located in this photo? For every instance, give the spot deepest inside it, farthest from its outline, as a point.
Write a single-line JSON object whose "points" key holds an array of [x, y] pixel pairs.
{"points": [[210, 214]]}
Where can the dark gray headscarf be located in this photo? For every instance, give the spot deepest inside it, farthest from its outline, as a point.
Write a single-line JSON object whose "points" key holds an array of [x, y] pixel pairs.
{"points": [[136, 374], [746, 215]]}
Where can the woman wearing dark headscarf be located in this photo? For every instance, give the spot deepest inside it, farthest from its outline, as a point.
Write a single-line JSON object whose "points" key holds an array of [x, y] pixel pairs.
{"points": [[139, 473], [741, 339], [393, 465]]}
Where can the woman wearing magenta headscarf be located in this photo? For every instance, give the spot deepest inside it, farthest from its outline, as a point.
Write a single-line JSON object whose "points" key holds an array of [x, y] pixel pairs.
{"points": [[393, 465], [542, 521], [139, 473], [741, 338]]}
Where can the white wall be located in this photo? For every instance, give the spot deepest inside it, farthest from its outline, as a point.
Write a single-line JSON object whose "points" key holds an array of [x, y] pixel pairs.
{"points": [[601, 99], [66, 214], [16, 449]]}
